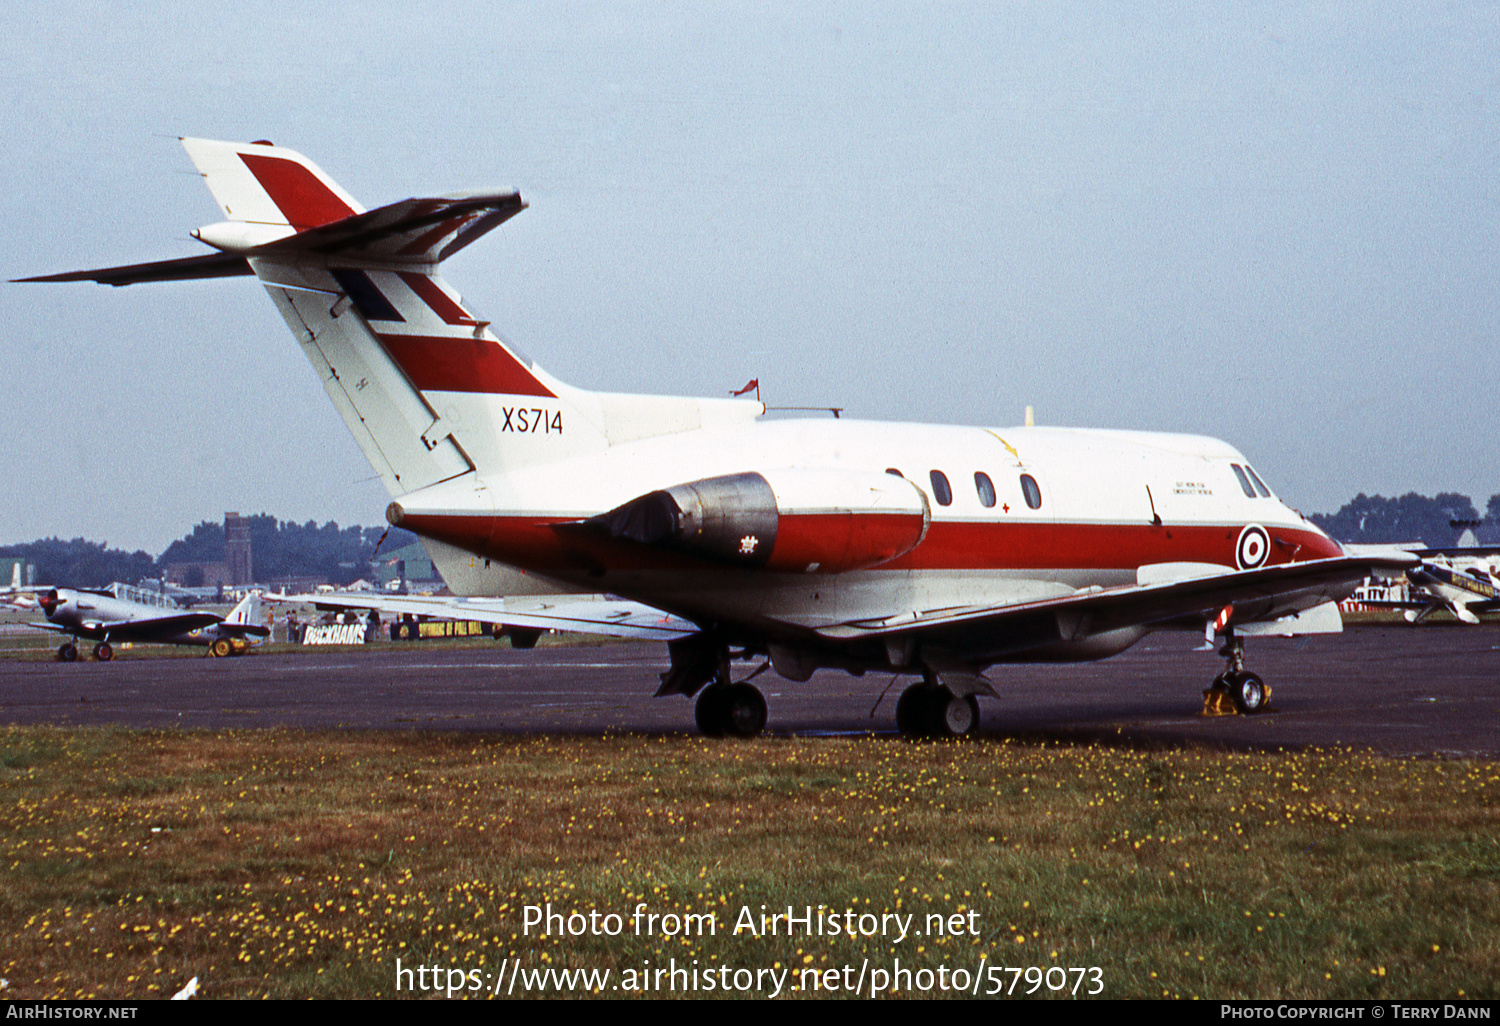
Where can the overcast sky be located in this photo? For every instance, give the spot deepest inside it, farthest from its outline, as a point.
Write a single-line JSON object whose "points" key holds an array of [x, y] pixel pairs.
{"points": [[1271, 223]]}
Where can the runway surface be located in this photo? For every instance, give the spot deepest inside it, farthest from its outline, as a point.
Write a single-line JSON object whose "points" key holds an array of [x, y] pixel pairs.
{"points": [[1401, 691]]}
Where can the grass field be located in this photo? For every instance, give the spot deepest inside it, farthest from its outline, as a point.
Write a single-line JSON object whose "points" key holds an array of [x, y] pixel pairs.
{"points": [[301, 864]]}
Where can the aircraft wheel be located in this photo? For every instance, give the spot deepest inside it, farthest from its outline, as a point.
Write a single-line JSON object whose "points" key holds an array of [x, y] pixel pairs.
{"points": [[916, 710], [744, 712], [957, 717], [103, 652], [709, 712], [67, 652], [221, 648], [736, 710], [523, 637], [1248, 692]]}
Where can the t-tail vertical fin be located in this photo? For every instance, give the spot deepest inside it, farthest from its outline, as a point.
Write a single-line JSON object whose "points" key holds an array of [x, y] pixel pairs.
{"points": [[427, 390]]}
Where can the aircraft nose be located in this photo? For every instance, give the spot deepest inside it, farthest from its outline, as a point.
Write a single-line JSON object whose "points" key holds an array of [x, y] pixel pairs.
{"points": [[50, 602]]}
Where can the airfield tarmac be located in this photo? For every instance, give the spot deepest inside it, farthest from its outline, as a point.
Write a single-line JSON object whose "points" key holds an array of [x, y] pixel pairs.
{"points": [[1397, 690]]}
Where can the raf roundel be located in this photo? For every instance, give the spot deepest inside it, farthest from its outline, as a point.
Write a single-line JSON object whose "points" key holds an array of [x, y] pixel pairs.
{"points": [[1253, 547]]}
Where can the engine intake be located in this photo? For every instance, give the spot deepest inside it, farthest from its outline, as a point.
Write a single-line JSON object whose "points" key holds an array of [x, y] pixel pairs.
{"points": [[789, 520]]}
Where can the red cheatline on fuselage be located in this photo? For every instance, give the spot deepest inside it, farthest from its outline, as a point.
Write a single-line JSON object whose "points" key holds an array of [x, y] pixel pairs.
{"points": [[537, 543]]}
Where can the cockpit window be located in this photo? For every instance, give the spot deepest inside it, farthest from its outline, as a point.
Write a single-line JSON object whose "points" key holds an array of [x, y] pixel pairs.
{"points": [[986, 489], [941, 490], [1244, 481], [1032, 491], [1260, 485], [893, 470]]}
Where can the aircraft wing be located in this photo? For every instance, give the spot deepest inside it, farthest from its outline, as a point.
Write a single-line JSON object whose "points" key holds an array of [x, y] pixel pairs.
{"points": [[582, 614], [1254, 596], [153, 628]]}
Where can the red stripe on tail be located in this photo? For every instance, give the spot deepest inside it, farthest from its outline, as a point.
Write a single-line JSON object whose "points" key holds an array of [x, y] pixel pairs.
{"points": [[461, 365], [306, 201]]}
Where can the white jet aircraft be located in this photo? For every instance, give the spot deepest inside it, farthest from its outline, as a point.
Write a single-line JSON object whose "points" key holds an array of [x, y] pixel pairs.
{"points": [[915, 549]]}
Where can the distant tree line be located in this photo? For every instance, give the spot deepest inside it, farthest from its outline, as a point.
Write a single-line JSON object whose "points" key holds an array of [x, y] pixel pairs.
{"points": [[279, 549], [1436, 522], [82, 563]]}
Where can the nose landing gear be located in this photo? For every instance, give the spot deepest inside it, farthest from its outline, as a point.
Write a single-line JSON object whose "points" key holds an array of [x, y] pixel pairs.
{"points": [[1236, 690]]}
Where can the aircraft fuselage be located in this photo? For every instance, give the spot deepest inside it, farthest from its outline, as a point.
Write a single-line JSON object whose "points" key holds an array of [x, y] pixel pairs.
{"points": [[1024, 513]]}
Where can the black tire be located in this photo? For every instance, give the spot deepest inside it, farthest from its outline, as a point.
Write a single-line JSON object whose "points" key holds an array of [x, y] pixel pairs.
{"points": [[103, 652], [918, 710], [67, 652], [221, 648], [1248, 692], [524, 637], [709, 711], [744, 711]]}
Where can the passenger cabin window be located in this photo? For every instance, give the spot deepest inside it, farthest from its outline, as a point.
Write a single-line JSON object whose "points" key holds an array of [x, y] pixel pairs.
{"points": [[986, 489], [1244, 481], [940, 488], [1260, 486], [1031, 491]]}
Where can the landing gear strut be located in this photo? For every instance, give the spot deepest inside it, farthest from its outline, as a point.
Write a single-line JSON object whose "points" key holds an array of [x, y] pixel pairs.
{"points": [[725, 707], [1236, 690], [929, 710]]}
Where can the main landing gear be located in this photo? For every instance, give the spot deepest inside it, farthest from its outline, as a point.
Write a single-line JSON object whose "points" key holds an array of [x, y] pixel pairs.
{"points": [[725, 707], [67, 652], [1236, 690], [735, 710], [929, 710]]}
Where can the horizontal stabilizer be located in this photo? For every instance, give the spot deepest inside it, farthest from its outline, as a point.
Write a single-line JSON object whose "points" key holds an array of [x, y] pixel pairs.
{"points": [[413, 231], [410, 231], [239, 630], [214, 265]]}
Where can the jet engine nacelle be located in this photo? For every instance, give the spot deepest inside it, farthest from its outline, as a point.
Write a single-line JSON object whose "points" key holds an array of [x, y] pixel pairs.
{"points": [[804, 521]]}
